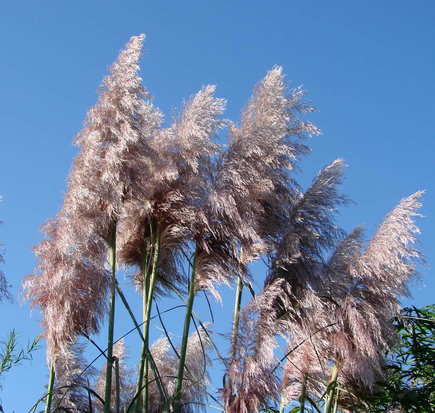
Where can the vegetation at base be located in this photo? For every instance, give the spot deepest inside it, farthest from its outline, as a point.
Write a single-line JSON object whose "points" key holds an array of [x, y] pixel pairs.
{"points": [[410, 383]]}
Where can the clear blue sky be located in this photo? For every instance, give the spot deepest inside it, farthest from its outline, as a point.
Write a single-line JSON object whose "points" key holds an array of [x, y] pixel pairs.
{"points": [[368, 66]]}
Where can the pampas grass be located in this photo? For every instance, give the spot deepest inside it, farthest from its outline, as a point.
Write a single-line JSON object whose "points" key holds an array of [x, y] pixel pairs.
{"points": [[184, 214]]}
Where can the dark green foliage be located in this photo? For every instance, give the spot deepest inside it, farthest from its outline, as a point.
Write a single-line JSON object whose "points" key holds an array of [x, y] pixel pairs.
{"points": [[410, 383]]}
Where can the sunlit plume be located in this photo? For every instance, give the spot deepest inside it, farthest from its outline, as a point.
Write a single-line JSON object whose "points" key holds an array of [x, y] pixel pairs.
{"points": [[253, 185], [368, 293], [110, 168]]}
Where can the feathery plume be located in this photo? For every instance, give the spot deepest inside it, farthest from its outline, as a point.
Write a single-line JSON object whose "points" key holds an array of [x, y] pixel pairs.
{"points": [[194, 391], [253, 185], [166, 365], [126, 387], [360, 294], [72, 380], [194, 395], [180, 190], [390, 258], [254, 189], [70, 290], [252, 381], [309, 232], [303, 373], [174, 215], [110, 168], [375, 282], [116, 160], [298, 256]]}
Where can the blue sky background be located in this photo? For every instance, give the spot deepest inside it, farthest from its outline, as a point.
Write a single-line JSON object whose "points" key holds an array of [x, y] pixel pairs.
{"points": [[368, 67]]}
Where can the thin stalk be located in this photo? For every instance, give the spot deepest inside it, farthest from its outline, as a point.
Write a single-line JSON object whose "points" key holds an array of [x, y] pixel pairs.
{"points": [[50, 389], [236, 316], [109, 365], [91, 409], [143, 396], [144, 344], [159, 382], [236, 322], [117, 387], [330, 392], [147, 316], [149, 281], [337, 395], [302, 396], [183, 351]]}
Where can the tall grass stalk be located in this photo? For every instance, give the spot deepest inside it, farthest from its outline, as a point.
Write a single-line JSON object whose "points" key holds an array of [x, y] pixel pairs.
{"points": [[50, 389], [236, 316], [117, 387], [331, 391], [183, 351], [147, 315], [109, 368], [149, 281], [139, 394], [302, 396], [152, 363], [337, 395]]}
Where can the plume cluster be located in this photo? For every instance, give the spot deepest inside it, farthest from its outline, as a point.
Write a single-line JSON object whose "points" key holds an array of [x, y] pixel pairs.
{"points": [[176, 204], [350, 325], [290, 286], [114, 165], [252, 188], [309, 231], [334, 313]]}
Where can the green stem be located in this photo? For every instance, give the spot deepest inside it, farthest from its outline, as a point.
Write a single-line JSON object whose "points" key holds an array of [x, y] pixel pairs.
{"points": [[147, 295], [50, 389], [236, 316], [117, 387], [236, 322], [109, 365], [337, 394], [302, 396], [149, 301], [153, 365], [330, 392], [144, 346], [183, 351]]}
